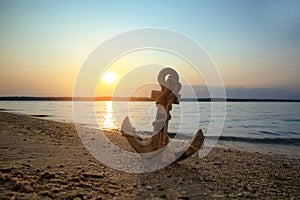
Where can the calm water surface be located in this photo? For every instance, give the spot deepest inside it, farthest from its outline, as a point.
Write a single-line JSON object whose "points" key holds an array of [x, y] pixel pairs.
{"points": [[248, 123]]}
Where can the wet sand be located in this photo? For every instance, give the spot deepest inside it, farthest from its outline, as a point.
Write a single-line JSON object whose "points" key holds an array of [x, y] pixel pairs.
{"points": [[42, 159]]}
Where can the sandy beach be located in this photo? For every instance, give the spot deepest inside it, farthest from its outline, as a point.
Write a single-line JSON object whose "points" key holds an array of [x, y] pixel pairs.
{"points": [[42, 159]]}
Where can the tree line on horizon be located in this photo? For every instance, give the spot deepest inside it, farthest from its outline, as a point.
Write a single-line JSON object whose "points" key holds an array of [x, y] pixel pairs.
{"points": [[109, 98]]}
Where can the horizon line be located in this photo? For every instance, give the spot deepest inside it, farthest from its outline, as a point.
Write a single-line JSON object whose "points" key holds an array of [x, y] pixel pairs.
{"points": [[110, 98]]}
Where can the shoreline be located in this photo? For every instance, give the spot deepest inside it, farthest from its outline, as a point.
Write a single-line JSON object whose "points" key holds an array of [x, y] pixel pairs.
{"points": [[46, 159], [269, 146]]}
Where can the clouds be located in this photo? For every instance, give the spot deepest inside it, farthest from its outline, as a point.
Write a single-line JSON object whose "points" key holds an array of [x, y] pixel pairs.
{"points": [[244, 93]]}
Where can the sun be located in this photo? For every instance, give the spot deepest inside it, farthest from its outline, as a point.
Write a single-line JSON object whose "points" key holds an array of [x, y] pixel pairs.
{"points": [[109, 77]]}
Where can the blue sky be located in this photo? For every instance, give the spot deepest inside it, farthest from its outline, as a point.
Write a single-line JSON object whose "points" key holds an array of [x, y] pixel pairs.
{"points": [[255, 44]]}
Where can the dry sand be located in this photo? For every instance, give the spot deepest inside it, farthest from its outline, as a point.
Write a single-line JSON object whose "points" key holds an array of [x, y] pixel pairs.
{"points": [[42, 159]]}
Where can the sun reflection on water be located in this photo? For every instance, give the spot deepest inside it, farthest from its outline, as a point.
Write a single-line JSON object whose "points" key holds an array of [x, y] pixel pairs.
{"points": [[107, 120]]}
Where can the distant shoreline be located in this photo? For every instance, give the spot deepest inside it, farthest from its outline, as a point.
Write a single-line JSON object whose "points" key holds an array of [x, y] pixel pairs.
{"points": [[28, 98]]}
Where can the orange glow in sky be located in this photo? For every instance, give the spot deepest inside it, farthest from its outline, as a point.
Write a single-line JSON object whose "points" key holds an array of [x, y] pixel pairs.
{"points": [[43, 44]]}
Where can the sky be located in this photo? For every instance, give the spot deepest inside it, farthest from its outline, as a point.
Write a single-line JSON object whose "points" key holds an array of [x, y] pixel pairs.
{"points": [[255, 44]]}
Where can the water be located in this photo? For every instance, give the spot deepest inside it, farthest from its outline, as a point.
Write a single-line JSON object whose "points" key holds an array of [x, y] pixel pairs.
{"points": [[256, 125]]}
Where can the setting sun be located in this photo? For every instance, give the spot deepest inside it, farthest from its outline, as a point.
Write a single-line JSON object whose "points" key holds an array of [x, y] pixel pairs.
{"points": [[109, 77]]}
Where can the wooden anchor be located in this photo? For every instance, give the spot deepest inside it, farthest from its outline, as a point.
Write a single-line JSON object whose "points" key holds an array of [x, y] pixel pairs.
{"points": [[156, 147]]}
